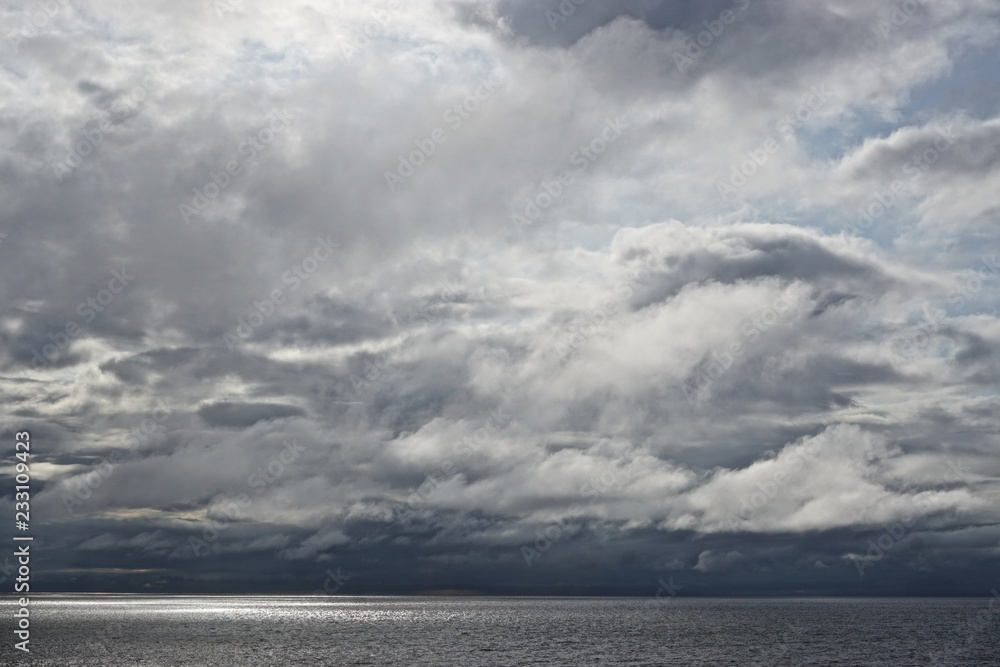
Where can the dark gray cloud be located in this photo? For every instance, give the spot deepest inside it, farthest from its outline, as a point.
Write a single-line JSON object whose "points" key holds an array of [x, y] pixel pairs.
{"points": [[241, 415]]}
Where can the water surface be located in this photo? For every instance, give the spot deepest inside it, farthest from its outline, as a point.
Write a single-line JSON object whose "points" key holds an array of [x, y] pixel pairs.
{"points": [[154, 631]]}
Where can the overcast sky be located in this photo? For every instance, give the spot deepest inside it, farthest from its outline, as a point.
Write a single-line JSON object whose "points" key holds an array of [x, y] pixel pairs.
{"points": [[504, 295]]}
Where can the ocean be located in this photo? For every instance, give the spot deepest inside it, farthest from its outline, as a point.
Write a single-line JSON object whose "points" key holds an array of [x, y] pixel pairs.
{"points": [[154, 631]]}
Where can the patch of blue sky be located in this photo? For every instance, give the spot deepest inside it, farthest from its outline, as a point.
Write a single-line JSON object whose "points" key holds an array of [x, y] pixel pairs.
{"points": [[972, 87], [833, 142]]}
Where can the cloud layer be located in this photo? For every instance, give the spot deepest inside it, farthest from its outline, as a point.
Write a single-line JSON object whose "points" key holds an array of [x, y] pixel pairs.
{"points": [[505, 296]]}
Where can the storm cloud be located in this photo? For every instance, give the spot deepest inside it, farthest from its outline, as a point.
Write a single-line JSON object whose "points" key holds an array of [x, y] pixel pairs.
{"points": [[503, 295]]}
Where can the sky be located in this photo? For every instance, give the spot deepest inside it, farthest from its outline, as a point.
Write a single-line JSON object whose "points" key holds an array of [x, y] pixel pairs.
{"points": [[648, 297]]}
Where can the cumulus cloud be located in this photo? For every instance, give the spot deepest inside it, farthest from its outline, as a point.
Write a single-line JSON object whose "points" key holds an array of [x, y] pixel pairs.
{"points": [[410, 289]]}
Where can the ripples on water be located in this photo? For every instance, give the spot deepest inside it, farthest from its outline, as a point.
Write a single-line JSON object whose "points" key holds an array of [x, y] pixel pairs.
{"points": [[250, 631]]}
